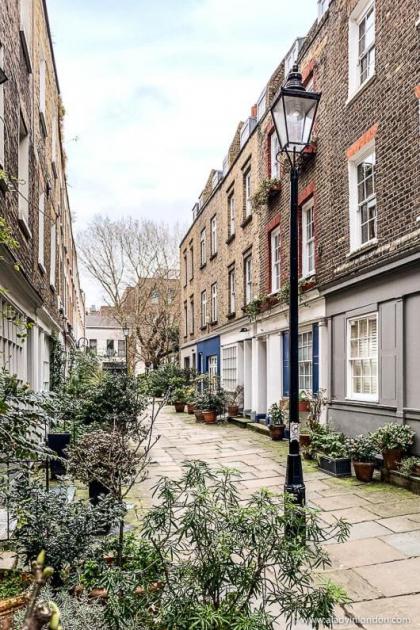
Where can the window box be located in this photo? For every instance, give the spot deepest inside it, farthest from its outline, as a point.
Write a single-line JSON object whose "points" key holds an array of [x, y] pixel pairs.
{"points": [[306, 284], [203, 327], [340, 467], [230, 239], [310, 149], [247, 220]]}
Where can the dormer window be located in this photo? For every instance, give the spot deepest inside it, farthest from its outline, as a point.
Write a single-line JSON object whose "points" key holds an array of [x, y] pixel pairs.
{"points": [[261, 105], [246, 130], [322, 7]]}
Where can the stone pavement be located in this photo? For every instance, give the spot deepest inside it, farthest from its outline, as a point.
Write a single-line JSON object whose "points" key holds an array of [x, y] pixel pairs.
{"points": [[379, 565]]}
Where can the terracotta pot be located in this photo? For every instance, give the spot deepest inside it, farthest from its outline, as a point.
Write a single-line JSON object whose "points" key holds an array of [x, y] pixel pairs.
{"points": [[199, 415], [364, 471], [304, 440], [179, 407], [190, 409], [232, 410], [276, 432], [303, 405], [210, 416], [392, 458]]}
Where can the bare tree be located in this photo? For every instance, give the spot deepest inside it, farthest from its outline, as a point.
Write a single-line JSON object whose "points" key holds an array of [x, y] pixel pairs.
{"points": [[136, 264]]}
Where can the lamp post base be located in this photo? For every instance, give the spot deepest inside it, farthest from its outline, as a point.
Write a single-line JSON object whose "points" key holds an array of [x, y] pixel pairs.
{"points": [[294, 485]]}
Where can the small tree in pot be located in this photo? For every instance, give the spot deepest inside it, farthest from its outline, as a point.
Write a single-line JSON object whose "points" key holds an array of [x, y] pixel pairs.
{"points": [[362, 450], [190, 399], [393, 440], [211, 403], [234, 400], [179, 399], [276, 422]]}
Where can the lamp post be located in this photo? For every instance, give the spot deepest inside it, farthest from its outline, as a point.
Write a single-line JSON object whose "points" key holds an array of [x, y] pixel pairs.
{"points": [[293, 113], [83, 342], [126, 332]]}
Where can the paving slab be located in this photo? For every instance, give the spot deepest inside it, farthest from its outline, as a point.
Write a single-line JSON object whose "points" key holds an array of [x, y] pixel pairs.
{"points": [[397, 508], [351, 515], [407, 543], [8, 560], [389, 614], [356, 587], [401, 523], [393, 578], [341, 501], [359, 553]]}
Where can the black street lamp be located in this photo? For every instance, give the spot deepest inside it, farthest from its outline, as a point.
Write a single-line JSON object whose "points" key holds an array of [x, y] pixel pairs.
{"points": [[126, 332], [293, 113]]}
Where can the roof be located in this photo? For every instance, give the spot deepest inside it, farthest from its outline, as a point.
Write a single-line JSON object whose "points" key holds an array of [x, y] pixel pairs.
{"points": [[100, 320]]}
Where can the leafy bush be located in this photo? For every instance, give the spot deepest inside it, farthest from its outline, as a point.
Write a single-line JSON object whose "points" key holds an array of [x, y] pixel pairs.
{"points": [[12, 584], [76, 613], [325, 441], [276, 415], [362, 448], [394, 435], [47, 521], [408, 465], [209, 400], [167, 377], [227, 562]]}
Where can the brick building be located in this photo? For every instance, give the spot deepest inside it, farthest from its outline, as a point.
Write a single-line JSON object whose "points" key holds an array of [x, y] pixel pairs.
{"points": [[359, 226], [46, 291]]}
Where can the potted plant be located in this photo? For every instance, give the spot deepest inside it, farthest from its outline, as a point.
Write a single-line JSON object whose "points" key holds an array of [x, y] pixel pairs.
{"points": [[410, 466], [393, 440], [276, 422], [330, 449], [179, 399], [211, 403], [362, 450], [190, 399], [303, 404], [233, 400], [312, 402]]}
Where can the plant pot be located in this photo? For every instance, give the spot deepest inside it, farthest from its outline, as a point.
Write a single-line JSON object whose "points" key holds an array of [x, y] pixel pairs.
{"points": [[304, 440], [199, 415], [58, 442], [303, 405], [392, 458], [179, 407], [340, 467], [232, 411], [210, 416], [276, 432], [190, 409], [364, 471]]}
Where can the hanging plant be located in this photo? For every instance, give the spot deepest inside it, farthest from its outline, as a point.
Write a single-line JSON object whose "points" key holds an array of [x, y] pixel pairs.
{"points": [[253, 308], [265, 191]]}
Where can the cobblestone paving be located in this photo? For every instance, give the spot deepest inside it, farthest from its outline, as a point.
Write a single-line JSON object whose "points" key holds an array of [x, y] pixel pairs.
{"points": [[379, 565]]}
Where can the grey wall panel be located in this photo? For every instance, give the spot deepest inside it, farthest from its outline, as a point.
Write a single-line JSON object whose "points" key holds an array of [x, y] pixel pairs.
{"points": [[388, 353], [412, 352], [338, 357]]}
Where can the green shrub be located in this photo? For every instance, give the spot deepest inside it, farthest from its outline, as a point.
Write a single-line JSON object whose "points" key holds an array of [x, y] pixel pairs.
{"points": [[362, 448], [12, 584], [231, 564], [408, 465], [325, 441], [394, 435]]}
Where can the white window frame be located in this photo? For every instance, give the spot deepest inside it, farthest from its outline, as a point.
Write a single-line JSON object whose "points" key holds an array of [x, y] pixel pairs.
{"points": [[291, 57], [323, 6], [232, 212], [262, 104], [275, 250], [248, 280], [192, 326], [230, 368], [41, 231], [214, 309], [185, 268], [53, 252], [308, 241], [231, 290], [305, 341], [203, 308], [274, 151], [185, 318], [213, 235], [212, 365], [248, 193], [374, 356], [354, 206], [357, 16], [26, 30], [42, 93], [203, 253], [23, 173], [191, 256]]}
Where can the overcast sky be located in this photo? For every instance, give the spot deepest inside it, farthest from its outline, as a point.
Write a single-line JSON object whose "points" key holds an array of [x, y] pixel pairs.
{"points": [[153, 91]]}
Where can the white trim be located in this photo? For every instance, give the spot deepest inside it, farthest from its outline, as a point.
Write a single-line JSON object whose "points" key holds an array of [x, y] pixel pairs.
{"points": [[356, 17], [275, 233], [350, 395], [307, 207], [354, 218]]}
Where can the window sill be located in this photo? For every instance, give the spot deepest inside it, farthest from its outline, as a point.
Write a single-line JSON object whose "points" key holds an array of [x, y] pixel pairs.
{"points": [[41, 267], [230, 239], [353, 96], [52, 287], [361, 401], [214, 322], [247, 220], [362, 249], [213, 256], [203, 327], [25, 228], [43, 124], [203, 265], [231, 315], [25, 48]]}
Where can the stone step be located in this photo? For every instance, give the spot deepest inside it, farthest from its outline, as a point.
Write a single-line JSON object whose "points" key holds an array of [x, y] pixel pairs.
{"points": [[8, 560]]}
